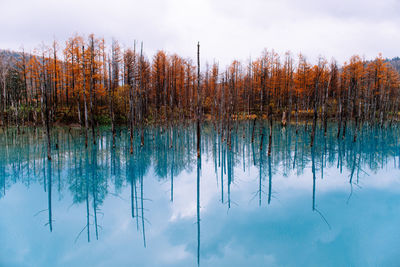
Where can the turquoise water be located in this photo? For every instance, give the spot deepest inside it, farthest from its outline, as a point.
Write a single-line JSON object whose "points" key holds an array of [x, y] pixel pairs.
{"points": [[337, 204]]}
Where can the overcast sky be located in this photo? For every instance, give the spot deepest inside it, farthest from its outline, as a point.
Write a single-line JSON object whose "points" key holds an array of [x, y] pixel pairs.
{"points": [[226, 29]]}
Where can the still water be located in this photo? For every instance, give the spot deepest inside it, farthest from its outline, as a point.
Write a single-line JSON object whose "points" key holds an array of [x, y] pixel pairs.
{"points": [[337, 204]]}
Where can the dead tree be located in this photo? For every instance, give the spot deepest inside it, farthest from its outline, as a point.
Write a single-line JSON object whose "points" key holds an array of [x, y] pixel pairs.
{"points": [[198, 100], [91, 87], [84, 96]]}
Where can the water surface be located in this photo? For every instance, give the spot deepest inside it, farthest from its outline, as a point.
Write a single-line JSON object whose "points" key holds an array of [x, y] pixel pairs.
{"points": [[336, 204]]}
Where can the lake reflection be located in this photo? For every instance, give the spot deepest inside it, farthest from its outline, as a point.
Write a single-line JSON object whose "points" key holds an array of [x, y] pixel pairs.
{"points": [[336, 204]]}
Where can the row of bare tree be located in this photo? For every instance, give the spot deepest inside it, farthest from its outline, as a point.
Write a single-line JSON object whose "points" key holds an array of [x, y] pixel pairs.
{"points": [[86, 83]]}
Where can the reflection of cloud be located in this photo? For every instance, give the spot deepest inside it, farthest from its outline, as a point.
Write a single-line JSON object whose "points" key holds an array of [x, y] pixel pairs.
{"points": [[173, 254], [185, 201], [184, 205], [293, 235], [285, 233], [336, 181]]}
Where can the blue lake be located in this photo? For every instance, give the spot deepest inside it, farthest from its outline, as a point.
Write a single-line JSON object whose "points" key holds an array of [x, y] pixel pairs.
{"points": [[336, 204]]}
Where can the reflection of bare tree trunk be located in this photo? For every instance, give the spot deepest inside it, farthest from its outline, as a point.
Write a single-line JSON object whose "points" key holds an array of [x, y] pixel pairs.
{"points": [[314, 208], [94, 188], [198, 209], [136, 205], [270, 131], [322, 159], [340, 156], [49, 194], [295, 152], [297, 117], [229, 163], [270, 180], [261, 165], [353, 168], [3, 174], [358, 164], [142, 209], [314, 177], [44, 175], [260, 178], [215, 155], [87, 198], [132, 199], [58, 165], [172, 173], [222, 172]]}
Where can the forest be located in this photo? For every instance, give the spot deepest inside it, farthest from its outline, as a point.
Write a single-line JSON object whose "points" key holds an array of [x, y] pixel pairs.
{"points": [[86, 83], [275, 114]]}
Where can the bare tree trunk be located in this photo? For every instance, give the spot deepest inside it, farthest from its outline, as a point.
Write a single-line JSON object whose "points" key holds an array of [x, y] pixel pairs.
{"points": [[114, 85], [340, 112], [4, 71], [324, 107], [198, 100], [84, 96], [91, 89], [316, 89], [45, 110], [16, 116], [54, 104], [110, 103]]}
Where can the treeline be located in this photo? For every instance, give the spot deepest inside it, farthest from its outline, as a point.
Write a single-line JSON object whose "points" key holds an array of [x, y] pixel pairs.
{"points": [[86, 82], [395, 62]]}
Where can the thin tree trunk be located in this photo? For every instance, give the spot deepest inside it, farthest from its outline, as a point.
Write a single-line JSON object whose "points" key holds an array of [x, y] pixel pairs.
{"points": [[84, 96]]}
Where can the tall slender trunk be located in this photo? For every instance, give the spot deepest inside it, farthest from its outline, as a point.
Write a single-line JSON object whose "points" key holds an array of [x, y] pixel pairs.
{"points": [[91, 88], [198, 100], [84, 96]]}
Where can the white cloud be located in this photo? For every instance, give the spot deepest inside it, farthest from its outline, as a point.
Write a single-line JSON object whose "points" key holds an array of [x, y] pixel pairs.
{"points": [[226, 29]]}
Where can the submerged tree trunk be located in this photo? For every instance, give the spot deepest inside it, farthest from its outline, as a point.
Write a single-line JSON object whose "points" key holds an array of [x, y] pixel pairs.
{"points": [[270, 131], [253, 129]]}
